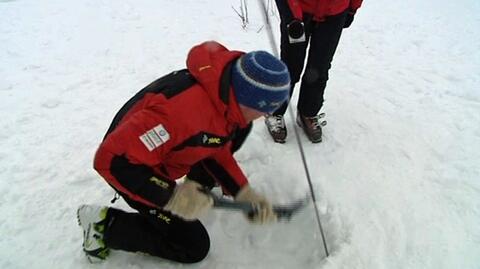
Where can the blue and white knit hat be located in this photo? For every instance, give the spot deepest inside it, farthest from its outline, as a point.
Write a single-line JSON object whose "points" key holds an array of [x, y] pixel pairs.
{"points": [[260, 81]]}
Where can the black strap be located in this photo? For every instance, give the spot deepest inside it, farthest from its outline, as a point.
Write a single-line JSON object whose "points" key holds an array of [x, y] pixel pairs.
{"points": [[204, 139], [116, 196], [224, 91]]}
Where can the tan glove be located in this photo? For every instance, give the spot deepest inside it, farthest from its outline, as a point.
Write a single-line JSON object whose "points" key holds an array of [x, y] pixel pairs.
{"points": [[188, 201], [263, 209]]}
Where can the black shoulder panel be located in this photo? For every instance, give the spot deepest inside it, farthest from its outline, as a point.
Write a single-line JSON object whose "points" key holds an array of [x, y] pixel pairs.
{"points": [[169, 85]]}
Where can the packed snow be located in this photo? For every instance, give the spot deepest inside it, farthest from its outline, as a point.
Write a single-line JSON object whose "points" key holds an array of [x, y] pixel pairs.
{"points": [[397, 177]]}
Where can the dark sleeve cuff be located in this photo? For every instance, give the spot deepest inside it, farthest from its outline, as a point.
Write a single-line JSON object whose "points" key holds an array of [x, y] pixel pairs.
{"points": [[141, 181]]}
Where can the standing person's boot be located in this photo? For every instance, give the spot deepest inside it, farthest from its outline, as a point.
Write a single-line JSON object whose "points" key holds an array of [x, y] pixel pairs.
{"points": [[276, 127], [93, 220], [312, 126]]}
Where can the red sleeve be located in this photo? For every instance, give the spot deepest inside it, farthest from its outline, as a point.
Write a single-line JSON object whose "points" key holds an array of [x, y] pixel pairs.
{"points": [[355, 4], [138, 142], [226, 159], [296, 9], [145, 138], [229, 174]]}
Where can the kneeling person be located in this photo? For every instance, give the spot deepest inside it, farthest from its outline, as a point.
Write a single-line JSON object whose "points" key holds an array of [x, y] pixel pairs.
{"points": [[187, 123]]}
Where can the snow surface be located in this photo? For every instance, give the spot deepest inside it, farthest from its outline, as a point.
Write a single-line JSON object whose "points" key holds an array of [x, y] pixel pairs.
{"points": [[397, 177]]}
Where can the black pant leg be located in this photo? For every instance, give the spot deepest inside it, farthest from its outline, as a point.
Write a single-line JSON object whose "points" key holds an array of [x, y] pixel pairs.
{"points": [[157, 233], [292, 54], [323, 43]]}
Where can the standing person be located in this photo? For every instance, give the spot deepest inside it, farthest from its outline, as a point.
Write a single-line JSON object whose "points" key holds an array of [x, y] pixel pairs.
{"points": [[188, 122], [317, 23]]}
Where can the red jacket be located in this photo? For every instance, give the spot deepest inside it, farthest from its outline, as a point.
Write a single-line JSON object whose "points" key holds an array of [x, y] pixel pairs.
{"points": [[157, 130], [321, 8]]}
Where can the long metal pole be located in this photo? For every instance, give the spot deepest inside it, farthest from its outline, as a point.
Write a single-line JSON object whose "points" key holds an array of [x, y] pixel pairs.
{"points": [[273, 45]]}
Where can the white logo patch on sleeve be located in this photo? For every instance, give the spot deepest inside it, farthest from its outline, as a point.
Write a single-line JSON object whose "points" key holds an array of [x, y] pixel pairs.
{"points": [[155, 137]]}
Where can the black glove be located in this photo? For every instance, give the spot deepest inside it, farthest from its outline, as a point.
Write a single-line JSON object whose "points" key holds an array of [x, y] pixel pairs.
{"points": [[349, 19]]}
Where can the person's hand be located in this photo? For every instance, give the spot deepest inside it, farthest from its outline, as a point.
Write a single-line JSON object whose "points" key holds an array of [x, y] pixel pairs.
{"points": [[188, 201], [349, 19], [263, 211]]}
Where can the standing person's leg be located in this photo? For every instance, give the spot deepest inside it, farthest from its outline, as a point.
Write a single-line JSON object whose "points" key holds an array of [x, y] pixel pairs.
{"points": [[292, 54], [324, 40]]}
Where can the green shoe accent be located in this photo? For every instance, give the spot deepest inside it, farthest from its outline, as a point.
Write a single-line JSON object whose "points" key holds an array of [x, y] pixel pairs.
{"points": [[93, 220], [103, 213], [104, 253], [100, 226], [97, 255]]}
